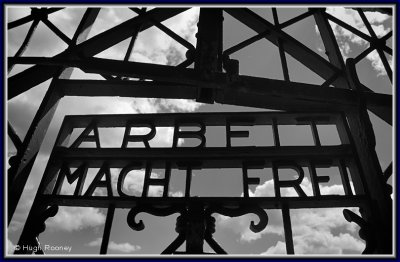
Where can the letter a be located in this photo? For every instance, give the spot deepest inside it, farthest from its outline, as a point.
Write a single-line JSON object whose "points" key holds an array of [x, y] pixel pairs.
{"points": [[85, 137], [97, 182]]}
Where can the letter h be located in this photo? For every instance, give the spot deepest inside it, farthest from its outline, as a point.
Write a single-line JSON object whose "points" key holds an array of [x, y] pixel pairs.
{"points": [[164, 182]]}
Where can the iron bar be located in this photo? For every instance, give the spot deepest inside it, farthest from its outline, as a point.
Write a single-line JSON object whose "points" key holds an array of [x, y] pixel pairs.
{"points": [[384, 10], [285, 69], [174, 245], [57, 31], [209, 119], [315, 133], [107, 229], [131, 43], [291, 46], [367, 24], [345, 177], [195, 227], [166, 30], [121, 68], [20, 21], [14, 137], [378, 49], [124, 88], [288, 230], [252, 91], [388, 172], [262, 202], [348, 27], [283, 62], [275, 132], [84, 27], [134, 36], [209, 157], [188, 182], [245, 43], [214, 245], [330, 80], [25, 43], [37, 74], [186, 63], [31, 144], [345, 108], [386, 64], [29, 18], [385, 47], [387, 36], [380, 208], [208, 55], [37, 130], [363, 54], [355, 168], [331, 47], [295, 19]]}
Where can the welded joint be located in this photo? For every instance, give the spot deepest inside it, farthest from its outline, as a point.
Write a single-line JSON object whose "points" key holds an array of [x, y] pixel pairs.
{"points": [[39, 13]]}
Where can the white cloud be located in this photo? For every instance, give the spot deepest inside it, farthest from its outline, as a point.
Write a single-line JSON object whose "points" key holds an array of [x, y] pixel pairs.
{"points": [[319, 243], [76, 218], [279, 248], [153, 45], [346, 38], [176, 194], [133, 183], [376, 62], [120, 247], [314, 227], [10, 247]]}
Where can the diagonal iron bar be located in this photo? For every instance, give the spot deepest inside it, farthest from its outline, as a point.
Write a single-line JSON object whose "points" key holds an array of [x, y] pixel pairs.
{"points": [[14, 137], [282, 55], [166, 30], [41, 122], [25, 43], [56, 31], [29, 18], [330, 43], [37, 74], [295, 19], [375, 39], [291, 46]]}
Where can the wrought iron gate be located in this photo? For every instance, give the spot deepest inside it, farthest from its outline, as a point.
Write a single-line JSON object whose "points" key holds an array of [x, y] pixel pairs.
{"points": [[341, 101]]}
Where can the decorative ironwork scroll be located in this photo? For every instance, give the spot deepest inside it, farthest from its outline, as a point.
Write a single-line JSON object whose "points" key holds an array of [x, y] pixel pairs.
{"points": [[341, 100], [72, 160]]}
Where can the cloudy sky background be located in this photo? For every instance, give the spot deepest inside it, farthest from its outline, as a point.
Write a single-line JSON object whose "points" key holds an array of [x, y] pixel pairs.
{"points": [[318, 231]]}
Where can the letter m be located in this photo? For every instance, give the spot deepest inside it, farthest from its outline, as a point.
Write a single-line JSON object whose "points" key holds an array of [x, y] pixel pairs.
{"points": [[80, 174]]}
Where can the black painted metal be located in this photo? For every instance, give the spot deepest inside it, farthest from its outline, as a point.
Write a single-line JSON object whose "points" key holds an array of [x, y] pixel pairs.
{"points": [[346, 109]]}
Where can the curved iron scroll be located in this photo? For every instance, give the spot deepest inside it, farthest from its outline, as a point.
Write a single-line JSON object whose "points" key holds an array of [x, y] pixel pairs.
{"points": [[365, 232], [243, 210], [34, 227], [153, 210], [180, 229]]}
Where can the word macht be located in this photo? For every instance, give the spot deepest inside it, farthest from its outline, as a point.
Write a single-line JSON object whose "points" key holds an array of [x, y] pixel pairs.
{"points": [[103, 179]]}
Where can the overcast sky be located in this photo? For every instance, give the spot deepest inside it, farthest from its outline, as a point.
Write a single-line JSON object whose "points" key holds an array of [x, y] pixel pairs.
{"points": [[318, 231]]}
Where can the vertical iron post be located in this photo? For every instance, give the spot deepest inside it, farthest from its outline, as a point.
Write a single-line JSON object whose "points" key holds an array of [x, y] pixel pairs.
{"points": [[208, 58]]}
